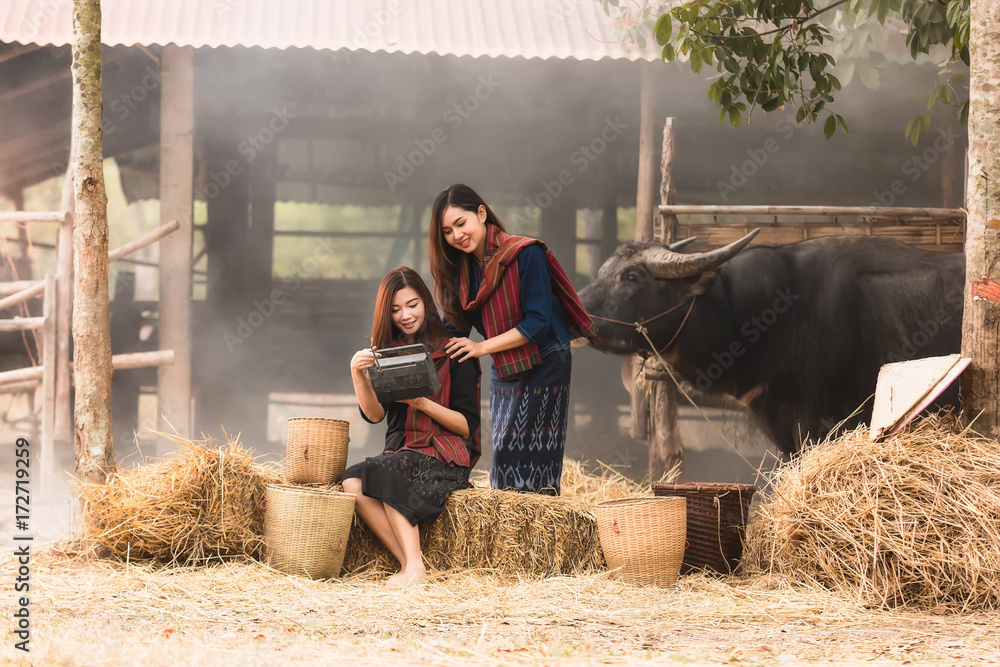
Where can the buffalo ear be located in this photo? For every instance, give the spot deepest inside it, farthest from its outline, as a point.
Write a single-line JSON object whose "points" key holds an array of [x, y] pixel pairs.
{"points": [[704, 282]]}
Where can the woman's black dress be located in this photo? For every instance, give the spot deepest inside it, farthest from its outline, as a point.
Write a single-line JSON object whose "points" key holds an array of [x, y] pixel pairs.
{"points": [[414, 484]]}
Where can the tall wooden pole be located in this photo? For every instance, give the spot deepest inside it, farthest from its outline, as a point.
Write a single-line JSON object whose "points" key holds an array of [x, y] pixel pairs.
{"points": [[980, 387], [668, 189], [64, 315], [666, 449], [91, 316], [646, 191], [176, 203]]}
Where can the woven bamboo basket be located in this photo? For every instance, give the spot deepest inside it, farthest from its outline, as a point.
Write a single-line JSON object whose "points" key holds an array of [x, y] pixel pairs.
{"points": [[306, 530], [643, 538], [716, 521], [316, 450]]}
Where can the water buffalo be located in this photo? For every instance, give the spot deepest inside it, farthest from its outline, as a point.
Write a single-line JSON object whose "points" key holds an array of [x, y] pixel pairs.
{"points": [[797, 333]]}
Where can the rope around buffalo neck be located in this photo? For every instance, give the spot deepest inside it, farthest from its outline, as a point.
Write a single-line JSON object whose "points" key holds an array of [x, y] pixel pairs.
{"points": [[641, 328]]}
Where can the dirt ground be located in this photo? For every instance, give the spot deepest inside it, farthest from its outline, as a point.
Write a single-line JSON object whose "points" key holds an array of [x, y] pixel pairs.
{"points": [[86, 612]]}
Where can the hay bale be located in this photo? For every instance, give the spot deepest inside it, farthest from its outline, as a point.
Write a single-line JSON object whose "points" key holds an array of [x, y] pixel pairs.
{"points": [[204, 504], [504, 531], [508, 532], [914, 520]]}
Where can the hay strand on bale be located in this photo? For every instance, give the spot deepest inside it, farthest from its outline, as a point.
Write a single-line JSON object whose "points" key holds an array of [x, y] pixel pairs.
{"points": [[508, 532], [201, 505], [913, 520]]}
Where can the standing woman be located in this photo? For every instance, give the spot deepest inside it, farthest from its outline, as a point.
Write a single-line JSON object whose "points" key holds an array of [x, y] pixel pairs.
{"points": [[515, 293], [431, 443]]}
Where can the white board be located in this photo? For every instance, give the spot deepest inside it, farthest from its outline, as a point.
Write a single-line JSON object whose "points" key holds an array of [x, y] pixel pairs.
{"points": [[906, 388]]}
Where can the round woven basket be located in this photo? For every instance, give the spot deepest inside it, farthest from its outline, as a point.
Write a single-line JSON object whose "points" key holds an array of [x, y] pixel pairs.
{"points": [[643, 538], [716, 519], [306, 530], [316, 450]]}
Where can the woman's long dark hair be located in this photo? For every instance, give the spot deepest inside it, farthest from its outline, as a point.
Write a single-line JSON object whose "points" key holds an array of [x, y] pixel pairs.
{"points": [[445, 260], [431, 334]]}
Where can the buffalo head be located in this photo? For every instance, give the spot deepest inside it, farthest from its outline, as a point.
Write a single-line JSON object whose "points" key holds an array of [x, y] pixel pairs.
{"points": [[644, 280]]}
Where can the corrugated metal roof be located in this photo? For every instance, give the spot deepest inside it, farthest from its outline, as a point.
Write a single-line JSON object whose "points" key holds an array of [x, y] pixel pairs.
{"points": [[513, 28]]}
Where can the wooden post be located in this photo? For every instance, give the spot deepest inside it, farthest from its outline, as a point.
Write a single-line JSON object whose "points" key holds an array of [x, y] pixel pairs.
{"points": [[47, 454], [950, 168], [260, 236], [22, 265], [609, 215], [64, 314], [668, 190], [559, 230], [645, 192], [91, 316], [666, 450], [176, 203], [592, 229]]}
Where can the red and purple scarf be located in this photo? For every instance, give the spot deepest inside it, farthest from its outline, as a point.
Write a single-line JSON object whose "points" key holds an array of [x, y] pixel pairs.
{"points": [[426, 436], [499, 299]]}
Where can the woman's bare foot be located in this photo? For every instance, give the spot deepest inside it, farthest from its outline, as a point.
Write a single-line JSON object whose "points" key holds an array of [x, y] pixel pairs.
{"points": [[406, 576]]}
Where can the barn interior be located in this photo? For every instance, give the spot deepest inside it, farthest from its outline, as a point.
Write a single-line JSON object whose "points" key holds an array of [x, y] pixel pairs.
{"points": [[315, 163]]}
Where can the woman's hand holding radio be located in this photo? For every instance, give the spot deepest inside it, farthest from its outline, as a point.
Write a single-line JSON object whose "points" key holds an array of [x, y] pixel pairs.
{"points": [[362, 360]]}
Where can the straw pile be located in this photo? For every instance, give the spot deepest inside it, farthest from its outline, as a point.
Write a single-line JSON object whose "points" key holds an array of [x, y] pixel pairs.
{"points": [[914, 520], [507, 532], [204, 504]]}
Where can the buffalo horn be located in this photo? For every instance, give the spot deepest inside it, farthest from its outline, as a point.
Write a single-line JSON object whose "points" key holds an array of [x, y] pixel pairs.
{"points": [[677, 245], [666, 264]]}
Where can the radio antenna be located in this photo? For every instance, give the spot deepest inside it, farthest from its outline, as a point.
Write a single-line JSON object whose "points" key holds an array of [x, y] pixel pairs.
{"points": [[372, 348]]}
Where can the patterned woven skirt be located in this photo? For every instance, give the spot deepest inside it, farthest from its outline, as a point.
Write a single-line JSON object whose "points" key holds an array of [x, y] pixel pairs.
{"points": [[415, 485], [529, 417]]}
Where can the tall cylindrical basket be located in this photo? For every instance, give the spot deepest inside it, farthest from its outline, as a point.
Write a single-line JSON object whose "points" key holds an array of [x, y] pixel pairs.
{"points": [[316, 450], [643, 538], [306, 530]]}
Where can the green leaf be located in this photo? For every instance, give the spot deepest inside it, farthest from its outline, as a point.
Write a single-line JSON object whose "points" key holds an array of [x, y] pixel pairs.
{"points": [[916, 126], [841, 122], [771, 104], [829, 127], [695, 60], [734, 118], [663, 29], [963, 114], [668, 52]]}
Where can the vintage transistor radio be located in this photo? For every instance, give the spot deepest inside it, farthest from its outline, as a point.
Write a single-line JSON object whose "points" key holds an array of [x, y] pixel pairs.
{"points": [[403, 372]]}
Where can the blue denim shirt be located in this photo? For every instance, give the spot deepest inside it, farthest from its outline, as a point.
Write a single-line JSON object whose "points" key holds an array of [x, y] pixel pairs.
{"points": [[544, 323]]}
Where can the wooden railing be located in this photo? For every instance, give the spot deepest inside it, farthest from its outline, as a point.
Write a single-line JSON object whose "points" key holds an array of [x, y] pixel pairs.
{"points": [[55, 368]]}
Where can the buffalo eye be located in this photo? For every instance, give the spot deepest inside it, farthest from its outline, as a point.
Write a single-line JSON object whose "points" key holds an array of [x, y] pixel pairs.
{"points": [[632, 278]]}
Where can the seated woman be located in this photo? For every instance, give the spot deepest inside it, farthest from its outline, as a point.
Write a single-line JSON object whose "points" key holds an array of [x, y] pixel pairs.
{"points": [[431, 443]]}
